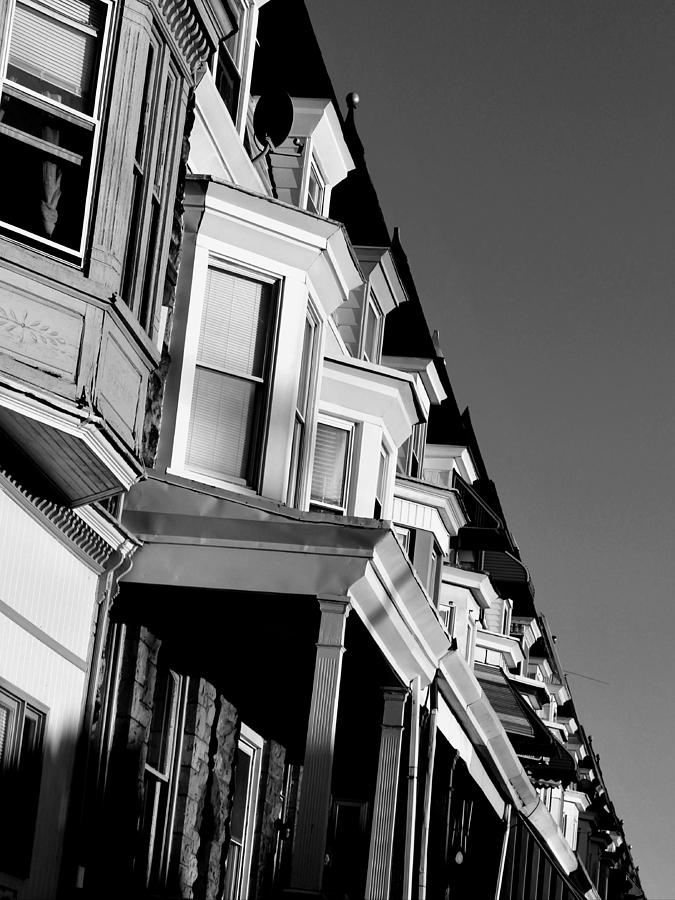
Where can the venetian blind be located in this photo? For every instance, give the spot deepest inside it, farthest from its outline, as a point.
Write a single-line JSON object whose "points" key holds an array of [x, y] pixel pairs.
{"points": [[330, 463], [59, 56], [228, 377]]}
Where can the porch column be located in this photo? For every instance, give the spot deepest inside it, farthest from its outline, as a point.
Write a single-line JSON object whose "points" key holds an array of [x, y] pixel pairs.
{"points": [[315, 790], [384, 809]]}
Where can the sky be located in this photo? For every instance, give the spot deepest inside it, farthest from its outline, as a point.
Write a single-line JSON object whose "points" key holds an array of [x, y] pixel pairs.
{"points": [[526, 150]]}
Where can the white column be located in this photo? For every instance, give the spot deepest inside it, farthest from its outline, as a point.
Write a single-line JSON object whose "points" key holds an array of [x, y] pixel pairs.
{"points": [[312, 821], [384, 809]]}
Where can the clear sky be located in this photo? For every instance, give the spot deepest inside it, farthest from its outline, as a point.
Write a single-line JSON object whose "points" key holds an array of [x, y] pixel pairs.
{"points": [[526, 149]]}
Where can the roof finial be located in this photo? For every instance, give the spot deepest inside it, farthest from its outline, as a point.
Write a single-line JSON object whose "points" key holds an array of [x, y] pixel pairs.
{"points": [[353, 100]]}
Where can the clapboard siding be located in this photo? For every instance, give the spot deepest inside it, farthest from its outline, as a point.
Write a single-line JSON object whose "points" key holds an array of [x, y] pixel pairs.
{"points": [[29, 665], [43, 580]]}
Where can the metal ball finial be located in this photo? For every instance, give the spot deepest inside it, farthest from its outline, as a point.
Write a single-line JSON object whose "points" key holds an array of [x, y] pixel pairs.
{"points": [[353, 99]]}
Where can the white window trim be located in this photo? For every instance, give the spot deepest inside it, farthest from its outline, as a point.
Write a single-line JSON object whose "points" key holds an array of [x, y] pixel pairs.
{"points": [[372, 302], [204, 259], [94, 119], [252, 744], [311, 159], [351, 429], [305, 461]]}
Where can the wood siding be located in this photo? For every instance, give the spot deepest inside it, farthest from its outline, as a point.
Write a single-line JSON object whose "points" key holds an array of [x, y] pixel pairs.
{"points": [[48, 597]]}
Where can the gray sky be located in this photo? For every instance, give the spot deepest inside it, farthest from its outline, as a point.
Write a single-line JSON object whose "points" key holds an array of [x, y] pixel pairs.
{"points": [[527, 151]]}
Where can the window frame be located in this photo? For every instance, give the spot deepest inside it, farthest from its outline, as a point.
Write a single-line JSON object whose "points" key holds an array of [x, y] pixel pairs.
{"points": [[151, 207], [304, 420], [91, 122], [314, 170], [371, 303], [206, 259], [253, 745], [381, 483], [350, 428], [19, 864], [164, 784], [414, 445]]}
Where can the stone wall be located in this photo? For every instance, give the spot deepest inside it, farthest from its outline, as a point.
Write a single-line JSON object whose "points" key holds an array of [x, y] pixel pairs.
{"points": [[201, 829]]}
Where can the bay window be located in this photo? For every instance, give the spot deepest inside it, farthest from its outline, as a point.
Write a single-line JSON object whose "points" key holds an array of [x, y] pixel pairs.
{"points": [[332, 460], [50, 119], [231, 378]]}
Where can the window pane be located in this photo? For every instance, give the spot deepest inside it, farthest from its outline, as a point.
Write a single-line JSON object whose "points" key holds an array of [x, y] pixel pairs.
{"points": [[4, 728], [56, 58], [303, 386], [240, 803], [370, 337], [330, 464], [222, 419], [402, 457], [233, 329]]}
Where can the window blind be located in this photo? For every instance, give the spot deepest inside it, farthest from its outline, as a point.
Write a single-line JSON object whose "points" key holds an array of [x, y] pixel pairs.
{"points": [[233, 329], [330, 464], [221, 423], [61, 57]]}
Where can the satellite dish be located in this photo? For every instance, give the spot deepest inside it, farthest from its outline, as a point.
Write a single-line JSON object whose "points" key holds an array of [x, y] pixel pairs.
{"points": [[273, 118]]}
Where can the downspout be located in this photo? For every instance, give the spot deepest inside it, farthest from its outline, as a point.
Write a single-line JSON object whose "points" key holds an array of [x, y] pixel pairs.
{"points": [[428, 783], [505, 846], [413, 756], [118, 564]]}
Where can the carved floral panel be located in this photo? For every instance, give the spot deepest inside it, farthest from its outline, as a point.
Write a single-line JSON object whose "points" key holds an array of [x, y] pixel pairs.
{"points": [[40, 334]]}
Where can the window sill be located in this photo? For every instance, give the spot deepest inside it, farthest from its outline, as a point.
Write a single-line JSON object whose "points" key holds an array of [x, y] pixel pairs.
{"points": [[189, 475]]}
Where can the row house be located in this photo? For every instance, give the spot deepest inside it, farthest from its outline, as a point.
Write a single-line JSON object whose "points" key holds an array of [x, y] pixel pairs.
{"points": [[263, 628]]}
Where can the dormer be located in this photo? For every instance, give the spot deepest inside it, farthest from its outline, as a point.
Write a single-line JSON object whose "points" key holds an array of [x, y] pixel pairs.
{"points": [[360, 319], [441, 461], [313, 159]]}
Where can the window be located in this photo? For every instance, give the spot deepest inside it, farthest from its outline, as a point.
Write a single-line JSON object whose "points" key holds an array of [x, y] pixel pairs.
{"points": [[242, 817], [407, 538], [162, 769], [152, 193], [508, 608], [447, 614], [381, 485], [435, 572], [231, 380], [22, 728], [411, 453], [332, 457], [372, 330], [228, 63], [302, 410], [470, 640], [316, 190], [50, 119]]}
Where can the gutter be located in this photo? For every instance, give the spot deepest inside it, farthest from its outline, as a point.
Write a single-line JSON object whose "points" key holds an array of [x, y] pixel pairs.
{"points": [[463, 694]]}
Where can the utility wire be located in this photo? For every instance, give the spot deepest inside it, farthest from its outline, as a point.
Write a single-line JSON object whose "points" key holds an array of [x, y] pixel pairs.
{"points": [[588, 677]]}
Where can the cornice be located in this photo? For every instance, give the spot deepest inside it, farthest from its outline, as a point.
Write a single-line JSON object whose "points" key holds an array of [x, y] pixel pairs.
{"points": [[87, 533]]}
